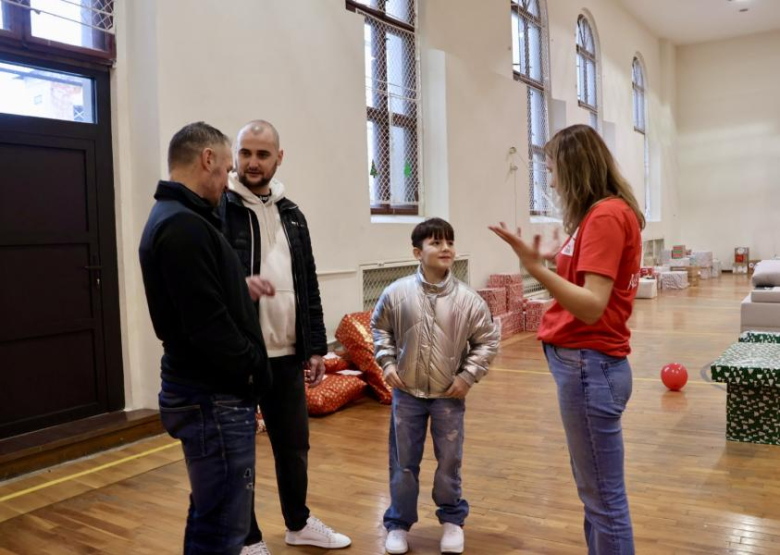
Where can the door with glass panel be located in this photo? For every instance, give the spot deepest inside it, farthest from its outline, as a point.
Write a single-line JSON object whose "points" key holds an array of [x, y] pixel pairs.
{"points": [[60, 356]]}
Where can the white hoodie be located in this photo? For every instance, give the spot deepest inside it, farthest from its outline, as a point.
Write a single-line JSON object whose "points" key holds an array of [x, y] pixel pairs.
{"points": [[277, 313]]}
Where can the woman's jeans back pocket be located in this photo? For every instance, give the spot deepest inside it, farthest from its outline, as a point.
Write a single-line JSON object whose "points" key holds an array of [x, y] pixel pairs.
{"points": [[183, 420]]}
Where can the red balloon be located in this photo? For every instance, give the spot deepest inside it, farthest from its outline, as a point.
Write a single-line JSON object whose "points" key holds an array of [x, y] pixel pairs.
{"points": [[674, 376]]}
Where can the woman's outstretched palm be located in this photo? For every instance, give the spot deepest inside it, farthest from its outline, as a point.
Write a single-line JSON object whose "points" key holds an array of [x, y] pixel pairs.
{"points": [[528, 254]]}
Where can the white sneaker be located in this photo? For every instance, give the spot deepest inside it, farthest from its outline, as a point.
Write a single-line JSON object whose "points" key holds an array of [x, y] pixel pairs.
{"points": [[396, 543], [452, 539], [258, 548], [317, 534]]}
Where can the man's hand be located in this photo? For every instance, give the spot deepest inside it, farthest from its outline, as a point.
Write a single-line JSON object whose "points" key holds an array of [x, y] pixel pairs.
{"points": [[314, 370], [459, 389], [259, 287], [392, 378]]}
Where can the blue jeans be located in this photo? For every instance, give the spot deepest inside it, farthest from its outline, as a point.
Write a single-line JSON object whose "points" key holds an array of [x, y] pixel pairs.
{"points": [[593, 389], [217, 433], [408, 427]]}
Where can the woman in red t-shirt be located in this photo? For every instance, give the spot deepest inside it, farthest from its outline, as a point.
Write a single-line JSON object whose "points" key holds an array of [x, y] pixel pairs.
{"points": [[585, 333]]}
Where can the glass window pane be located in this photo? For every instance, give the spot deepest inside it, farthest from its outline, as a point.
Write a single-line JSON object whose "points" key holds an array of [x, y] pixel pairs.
{"points": [[399, 9], [532, 6], [2, 16], [540, 199], [28, 91], [534, 51], [537, 117], [60, 21], [515, 42], [580, 78], [372, 167], [593, 120], [591, 74], [400, 74], [398, 159], [370, 62]]}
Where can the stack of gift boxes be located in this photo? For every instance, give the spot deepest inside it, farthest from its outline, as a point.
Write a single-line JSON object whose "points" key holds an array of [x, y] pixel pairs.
{"points": [[512, 312]]}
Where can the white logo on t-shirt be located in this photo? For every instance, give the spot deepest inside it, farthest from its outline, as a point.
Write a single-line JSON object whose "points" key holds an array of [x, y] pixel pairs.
{"points": [[568, 250]]}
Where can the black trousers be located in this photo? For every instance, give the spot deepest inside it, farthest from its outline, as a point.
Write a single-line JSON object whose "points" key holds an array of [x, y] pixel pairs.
{"points": [[287, 421]]}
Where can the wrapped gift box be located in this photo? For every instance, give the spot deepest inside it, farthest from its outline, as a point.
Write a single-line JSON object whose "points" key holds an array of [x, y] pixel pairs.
{"points": [[503, 280], [495, 297], [509, 323], [702, 258], [534, 311], [716, 268], [678, 251], [514, 297], [648, 288], [752, 373], [759, 337], [673, 280]]}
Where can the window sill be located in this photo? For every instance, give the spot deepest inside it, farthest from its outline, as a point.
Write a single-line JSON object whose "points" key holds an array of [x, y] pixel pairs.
{"points": [[545, 220], [383, 219]]}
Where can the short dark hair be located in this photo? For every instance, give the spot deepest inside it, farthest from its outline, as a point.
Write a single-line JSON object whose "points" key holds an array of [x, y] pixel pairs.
{"points": [[190, 140], [434, 228]]}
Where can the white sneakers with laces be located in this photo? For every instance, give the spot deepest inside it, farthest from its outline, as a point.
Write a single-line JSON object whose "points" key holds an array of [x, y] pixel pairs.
{"points": [[316, 533], [452, 539]]}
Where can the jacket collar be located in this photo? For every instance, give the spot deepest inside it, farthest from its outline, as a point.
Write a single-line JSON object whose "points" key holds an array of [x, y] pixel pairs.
{"points": [[444, 287], [173, 190], [283, 204]]}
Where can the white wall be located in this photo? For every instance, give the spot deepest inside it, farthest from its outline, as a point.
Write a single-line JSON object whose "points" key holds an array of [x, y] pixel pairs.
{"points": [[729, 136], [300, 65]]}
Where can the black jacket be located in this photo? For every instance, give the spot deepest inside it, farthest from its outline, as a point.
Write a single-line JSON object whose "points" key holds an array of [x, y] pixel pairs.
{"points": [[198, 298], [309, 322]]}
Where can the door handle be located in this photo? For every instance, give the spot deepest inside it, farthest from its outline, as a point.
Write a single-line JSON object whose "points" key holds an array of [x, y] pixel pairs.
{"points": [[95, 268]]}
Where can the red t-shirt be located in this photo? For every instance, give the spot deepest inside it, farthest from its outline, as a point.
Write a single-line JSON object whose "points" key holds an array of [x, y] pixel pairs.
{"points": [[608, 242]]}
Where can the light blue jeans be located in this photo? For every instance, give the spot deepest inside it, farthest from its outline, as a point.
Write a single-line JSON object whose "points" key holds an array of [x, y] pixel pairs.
{"points": [[593, 389], [408, 427]]}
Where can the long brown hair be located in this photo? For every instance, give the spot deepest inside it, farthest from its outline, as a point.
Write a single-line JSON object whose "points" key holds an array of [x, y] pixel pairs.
{"points": [[586, 173]]}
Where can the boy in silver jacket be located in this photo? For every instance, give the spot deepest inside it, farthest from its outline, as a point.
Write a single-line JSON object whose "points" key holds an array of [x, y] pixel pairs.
{"points": [[434, 338]]}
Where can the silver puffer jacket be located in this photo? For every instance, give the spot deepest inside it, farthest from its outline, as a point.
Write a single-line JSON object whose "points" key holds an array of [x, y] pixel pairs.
{"points": [[433, 333]]}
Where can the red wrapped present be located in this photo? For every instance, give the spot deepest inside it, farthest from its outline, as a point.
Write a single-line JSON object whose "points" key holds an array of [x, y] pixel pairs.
{"points": [[514, 297], [354, 332], [495, 297], [504, 280], [509, 323], [334, 392], [334, 363], [534, 312]]}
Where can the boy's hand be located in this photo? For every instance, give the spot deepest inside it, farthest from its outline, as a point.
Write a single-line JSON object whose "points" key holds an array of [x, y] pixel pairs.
{"points": [[459, 389], [392, 378]]}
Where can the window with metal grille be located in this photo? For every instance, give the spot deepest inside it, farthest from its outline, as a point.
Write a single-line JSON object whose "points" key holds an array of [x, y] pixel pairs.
{"points": [[393, 121], [377, 277], [75, 28], [530, 64], [638, 84], [587, 82]]}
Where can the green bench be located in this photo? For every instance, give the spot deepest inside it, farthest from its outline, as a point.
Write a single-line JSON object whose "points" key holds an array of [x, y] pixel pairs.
{"points": [[751, 370]]}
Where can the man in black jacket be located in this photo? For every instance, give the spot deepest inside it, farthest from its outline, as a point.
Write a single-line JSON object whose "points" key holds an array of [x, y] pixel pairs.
{"points": [[214, 366], [271, 237]]}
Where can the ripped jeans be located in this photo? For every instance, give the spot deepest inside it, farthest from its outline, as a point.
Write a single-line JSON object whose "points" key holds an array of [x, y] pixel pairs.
{"points": [[408, 427], [217, 433]]}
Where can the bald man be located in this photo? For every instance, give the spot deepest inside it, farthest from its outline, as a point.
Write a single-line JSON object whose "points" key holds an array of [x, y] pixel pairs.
{"points": [[271, 237]]}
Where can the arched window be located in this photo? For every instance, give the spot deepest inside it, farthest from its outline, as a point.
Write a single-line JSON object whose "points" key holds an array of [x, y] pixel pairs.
{"points": [[639, 86], [587, 70], [530, 65]]}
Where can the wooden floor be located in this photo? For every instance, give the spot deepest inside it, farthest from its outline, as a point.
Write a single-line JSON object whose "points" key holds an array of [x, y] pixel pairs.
{"points": [[690, 490]]}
